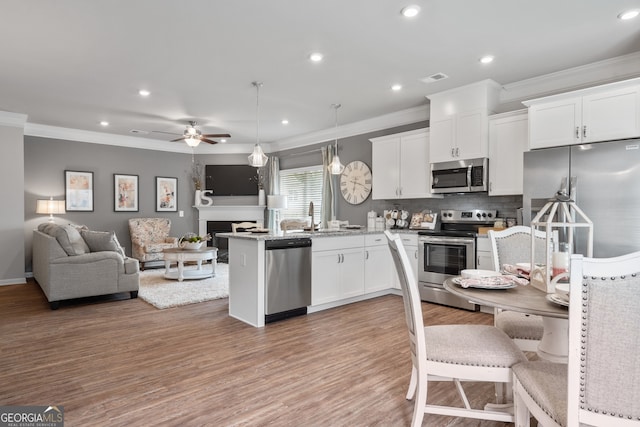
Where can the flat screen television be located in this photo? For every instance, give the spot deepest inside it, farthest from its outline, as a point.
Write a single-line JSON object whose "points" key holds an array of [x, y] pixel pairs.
{"points": [[231, 180]]}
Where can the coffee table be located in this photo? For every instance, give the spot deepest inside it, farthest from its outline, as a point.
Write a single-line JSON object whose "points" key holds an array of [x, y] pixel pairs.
{"points": [[180, 256]]}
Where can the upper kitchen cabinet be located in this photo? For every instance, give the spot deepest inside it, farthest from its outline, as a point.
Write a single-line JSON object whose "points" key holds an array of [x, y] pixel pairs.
{"points": [[459, 121], [596, 114], [508, 140], [400, 164]]}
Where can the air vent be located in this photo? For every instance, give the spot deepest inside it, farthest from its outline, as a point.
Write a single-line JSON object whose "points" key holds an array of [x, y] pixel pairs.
{"points": [[139, 132], [435, 77]]}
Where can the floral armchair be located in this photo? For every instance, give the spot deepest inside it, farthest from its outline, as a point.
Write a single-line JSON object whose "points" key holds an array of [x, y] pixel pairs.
{"points": [[149, 237]]}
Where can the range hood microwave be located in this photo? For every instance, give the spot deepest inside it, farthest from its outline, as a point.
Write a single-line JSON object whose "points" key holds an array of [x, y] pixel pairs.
{"points": [[460, 176]]}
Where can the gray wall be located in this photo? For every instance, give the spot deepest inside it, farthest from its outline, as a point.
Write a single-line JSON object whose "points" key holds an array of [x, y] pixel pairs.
{"points": [[12, 249], [45, 161]]}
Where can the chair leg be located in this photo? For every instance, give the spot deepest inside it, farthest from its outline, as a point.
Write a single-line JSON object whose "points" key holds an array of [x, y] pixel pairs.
{"points": [[419, 404], [412, 383], [521, 412], [134, 294]]}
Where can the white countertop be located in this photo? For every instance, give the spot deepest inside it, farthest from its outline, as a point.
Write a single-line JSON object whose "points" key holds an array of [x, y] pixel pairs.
{"points": [[303, 235]]}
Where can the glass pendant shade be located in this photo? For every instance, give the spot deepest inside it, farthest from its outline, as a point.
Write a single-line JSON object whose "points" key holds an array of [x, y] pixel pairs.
{"points": [[335, 167], [257, 159]]}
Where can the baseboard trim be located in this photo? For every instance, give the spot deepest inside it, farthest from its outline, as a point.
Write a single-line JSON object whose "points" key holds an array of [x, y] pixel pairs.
{"points": [[16, 281]]}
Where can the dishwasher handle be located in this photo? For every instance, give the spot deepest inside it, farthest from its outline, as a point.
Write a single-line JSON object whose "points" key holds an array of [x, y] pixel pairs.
{"points": [[287, 244]]}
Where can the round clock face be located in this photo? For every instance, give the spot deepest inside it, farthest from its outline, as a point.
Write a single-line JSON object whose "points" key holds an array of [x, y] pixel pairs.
{"points": [[355, 182]]}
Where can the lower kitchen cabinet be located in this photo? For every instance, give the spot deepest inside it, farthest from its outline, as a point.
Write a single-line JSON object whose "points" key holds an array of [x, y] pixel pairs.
{"points": [[337, 269], [410, 243], [379, 271], [484, 254]]}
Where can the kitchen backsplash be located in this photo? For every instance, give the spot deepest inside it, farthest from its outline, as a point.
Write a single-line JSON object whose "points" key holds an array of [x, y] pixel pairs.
{"points": [[505, 205]]}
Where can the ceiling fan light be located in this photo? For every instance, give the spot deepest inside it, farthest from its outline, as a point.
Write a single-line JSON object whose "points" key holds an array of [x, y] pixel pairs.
{"points": [[257, 158], [192, 141], [335, 167]]}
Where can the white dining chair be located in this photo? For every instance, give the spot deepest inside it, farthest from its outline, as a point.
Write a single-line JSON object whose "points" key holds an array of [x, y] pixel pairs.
{"points": [[457, 353], [512, 246], [243, 226], [600, 385]]}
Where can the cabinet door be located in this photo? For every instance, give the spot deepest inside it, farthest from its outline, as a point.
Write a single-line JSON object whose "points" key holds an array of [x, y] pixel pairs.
{"points": [[484, 261], [441, 146], [352, 272], [378, 268], [415, 171], [555, 123], [611, 115], [471, 135], [325, 277], [385, 162], [508, 140]]}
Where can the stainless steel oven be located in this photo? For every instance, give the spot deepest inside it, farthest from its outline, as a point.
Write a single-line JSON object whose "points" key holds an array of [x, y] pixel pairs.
{"points": [[444, 253]]}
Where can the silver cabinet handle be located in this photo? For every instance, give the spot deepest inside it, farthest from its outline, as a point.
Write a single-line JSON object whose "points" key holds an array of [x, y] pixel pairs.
{"points": [[339, 255], [457, 152], [577, 132], [453, 152], [366, 254], [400, 191], [584, 131]]}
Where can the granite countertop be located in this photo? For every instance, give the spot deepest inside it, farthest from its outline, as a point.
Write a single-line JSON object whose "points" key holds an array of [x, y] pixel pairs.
{"points": [[303, 235]]}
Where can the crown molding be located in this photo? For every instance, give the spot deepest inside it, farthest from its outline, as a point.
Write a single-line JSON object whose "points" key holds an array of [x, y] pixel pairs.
{"points": [[594, 74], [398, 118], [13, 119]]}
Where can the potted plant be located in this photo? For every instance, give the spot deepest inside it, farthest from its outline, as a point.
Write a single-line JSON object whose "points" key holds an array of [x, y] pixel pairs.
{"points": [[196, 178], [192, 241]]}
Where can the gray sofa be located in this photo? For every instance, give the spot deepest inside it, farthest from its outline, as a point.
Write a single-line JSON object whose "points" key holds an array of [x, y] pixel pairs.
{"points": [[71, 262]]}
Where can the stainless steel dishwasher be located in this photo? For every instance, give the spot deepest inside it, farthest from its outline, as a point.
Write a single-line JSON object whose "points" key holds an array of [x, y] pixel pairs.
{"points": [[288, 275]]}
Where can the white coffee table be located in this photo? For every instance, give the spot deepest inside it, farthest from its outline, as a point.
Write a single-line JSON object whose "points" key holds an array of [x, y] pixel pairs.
{"points": [[181, 255]]}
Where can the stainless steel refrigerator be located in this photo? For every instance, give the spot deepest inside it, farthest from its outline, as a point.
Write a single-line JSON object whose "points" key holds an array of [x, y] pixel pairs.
{"points": [[604, 181]]}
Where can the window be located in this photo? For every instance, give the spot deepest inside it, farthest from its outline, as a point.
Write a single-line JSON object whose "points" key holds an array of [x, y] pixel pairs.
{"points": [[302, 186]]}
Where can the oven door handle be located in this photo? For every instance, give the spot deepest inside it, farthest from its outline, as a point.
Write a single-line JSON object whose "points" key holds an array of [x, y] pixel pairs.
{"points": [[433, 239]]}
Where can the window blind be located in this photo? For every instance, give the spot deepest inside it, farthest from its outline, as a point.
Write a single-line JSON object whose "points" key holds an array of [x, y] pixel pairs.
{"points": [[302, 186]]}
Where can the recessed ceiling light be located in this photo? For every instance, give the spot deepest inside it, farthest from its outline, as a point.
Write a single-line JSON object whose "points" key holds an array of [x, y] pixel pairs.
{"points": [[410, 11], [223, 141], [487, 59], [396, 87], [144, 92], [316, 57], [628, 14], [285, 122], [104, 123]]}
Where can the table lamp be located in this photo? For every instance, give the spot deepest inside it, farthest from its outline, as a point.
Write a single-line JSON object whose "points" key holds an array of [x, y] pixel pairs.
{"points": [[276, 202], [50, 207]]}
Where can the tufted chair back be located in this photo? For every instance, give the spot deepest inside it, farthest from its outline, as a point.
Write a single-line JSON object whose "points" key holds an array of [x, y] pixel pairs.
{"points": [[149, 237]]}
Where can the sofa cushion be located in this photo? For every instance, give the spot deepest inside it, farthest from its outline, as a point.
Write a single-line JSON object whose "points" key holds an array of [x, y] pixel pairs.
{"points": [[67, 236], [102, 241]]}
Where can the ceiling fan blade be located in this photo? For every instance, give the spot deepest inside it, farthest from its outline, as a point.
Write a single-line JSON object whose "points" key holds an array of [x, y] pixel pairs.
{"points": [[208, 141], [217, 135], [179, 139]]}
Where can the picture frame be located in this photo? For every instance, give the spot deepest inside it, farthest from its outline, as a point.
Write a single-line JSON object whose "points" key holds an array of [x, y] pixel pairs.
{"points": [[166, 194], [125, 193], [78, 189]]}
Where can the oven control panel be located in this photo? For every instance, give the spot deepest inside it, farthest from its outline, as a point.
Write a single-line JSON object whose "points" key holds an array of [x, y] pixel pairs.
{"points": [[468, 216]]}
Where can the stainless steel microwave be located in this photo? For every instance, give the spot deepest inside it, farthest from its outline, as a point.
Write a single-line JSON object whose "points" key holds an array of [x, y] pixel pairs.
{"points": [[459, 176]]}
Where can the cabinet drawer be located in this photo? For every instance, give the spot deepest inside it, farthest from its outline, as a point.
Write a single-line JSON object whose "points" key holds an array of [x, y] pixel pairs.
{"points": [[375, 240], [337, 243]]}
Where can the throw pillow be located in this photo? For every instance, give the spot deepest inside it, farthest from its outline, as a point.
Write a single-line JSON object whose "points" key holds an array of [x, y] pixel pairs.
{"points": [[102, 241], [69, 238]]}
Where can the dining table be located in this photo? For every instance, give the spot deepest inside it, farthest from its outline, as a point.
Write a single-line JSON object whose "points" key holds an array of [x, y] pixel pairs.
{"points": [[554, 345]]}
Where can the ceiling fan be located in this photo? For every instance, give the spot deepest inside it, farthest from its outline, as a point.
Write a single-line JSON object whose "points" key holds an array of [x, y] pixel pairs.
{"points": [[192, 136]]}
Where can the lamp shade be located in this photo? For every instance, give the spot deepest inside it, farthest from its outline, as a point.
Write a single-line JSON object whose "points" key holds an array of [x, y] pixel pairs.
{"points": [[192, 141], [258, 159], [277, 201], [50, 207]]}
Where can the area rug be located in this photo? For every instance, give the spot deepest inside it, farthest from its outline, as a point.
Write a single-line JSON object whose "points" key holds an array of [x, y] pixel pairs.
{"points": [[165, 293]]}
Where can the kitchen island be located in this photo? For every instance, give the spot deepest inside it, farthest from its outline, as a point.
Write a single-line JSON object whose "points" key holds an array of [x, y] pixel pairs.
{"points": [[347, 266]]}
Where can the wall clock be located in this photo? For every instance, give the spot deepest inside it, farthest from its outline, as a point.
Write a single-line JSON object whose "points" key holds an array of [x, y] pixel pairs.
{"points": [[355, 182]]}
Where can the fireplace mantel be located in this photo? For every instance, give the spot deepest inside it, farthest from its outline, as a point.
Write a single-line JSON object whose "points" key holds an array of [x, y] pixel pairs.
{"points": [[228, 213]]}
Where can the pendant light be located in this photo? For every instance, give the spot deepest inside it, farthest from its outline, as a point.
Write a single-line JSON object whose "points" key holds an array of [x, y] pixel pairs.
{"points": [[257, 158], [335, 167]]}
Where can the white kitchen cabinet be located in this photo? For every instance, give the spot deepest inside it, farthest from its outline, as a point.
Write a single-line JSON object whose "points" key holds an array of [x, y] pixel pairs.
{"points": [[484, 254], [508, 140], [379, 271], [337, 269], [459, 121], [400, 166], [596, 114], [410, 242]]}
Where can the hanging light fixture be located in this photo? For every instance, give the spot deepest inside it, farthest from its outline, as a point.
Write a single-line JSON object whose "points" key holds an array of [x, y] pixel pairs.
{"points": [[257, 159], [335, 167], [192, 135]]}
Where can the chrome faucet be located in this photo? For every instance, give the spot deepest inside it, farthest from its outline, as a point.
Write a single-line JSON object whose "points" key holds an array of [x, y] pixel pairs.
{"points": [[313, 225]]}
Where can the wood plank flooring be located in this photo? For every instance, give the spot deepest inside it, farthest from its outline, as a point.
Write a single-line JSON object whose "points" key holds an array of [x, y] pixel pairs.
{"points": [[122, 362]]}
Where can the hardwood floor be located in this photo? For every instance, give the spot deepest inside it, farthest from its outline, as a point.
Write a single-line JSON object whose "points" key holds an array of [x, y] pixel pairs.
{"points": [[126, 363]]}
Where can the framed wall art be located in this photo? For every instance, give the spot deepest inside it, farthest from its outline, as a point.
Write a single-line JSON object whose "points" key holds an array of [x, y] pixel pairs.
{"points": [[125, 193], [166, 194], [78, 188]]}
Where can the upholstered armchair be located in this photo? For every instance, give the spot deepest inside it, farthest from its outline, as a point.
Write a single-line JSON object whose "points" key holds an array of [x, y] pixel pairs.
{"points": [[149, 237]]}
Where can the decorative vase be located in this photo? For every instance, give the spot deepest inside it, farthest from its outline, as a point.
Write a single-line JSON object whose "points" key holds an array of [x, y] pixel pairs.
{"points": [[198, 198], [261, 198]]}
